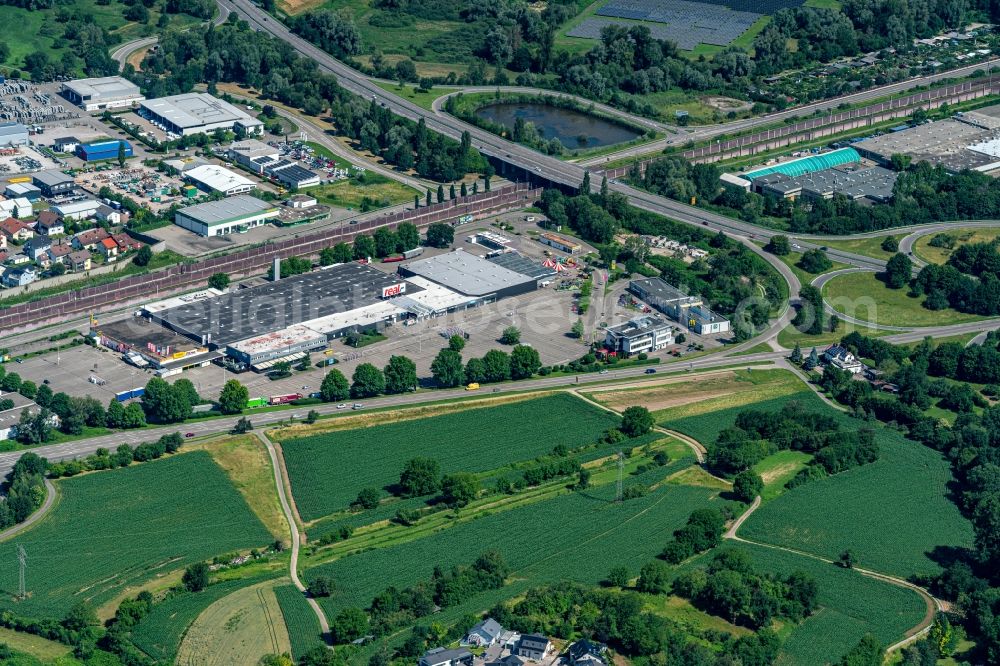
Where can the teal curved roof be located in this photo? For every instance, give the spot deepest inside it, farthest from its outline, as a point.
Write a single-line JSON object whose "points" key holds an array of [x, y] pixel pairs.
{"points": [[810, 164]]}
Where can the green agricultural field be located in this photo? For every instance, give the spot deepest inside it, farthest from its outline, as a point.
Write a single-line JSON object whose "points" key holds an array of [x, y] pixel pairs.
{"points": [[865, 297], [963, 236], [851, 605], [300, 620], [326, 471], [160, 633], [577, 536], [892, 513], [115, 529], [778, 469], [424, 100]]}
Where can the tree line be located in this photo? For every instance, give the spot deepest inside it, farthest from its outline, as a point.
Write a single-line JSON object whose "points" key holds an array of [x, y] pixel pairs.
{"points": [[234, 53]]}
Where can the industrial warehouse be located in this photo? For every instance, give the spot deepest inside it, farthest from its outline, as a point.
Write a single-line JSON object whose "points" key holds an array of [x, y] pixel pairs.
{"points": [[285, 318], [683, 308], [106, 92], [840, 172], [197, 113], [969, 140], [233, 215]]}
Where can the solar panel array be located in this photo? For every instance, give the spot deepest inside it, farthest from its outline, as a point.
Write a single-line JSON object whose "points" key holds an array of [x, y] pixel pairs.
{"points": [[756, 6], [685, 23]]}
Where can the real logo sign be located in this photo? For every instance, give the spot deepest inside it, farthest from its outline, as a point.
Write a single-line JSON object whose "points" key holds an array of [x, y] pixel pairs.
{"points": [[394, 290]]}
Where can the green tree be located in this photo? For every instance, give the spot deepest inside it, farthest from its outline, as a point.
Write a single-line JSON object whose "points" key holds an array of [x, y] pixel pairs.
{"points": [[407, 237], [868, 652], [367, 381], [898, 271], [890, 244], [234, 397], [11, 382], [400, 375], [28, 389], [447, 368], [334, 387], [496, 367], [796, 356], [654, 578], [195, 577], [219, 281], [619, 576], [420, 476], [636, 421], [812, 361], [524, 362], [186, 386], [460, 488], [440, 235], [163, 403], [115, 417], [475, 370], [779, 245], [243, 426], [143, 256], [80, 617], [135, 417], [815, 261], [348, 625], [511, 335], [320, 586], [43, 396], [121, 144], [847, 559], [456, 343], [747, 485], [577, 329], [385, 242], [368, 498], [440, 194], [364, 246]]}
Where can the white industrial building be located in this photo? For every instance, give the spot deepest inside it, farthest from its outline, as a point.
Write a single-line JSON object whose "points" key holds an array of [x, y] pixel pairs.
{"points": [[214, 178], [18, 207], [13, 134], [643, 334], [77, 210], [197, 113], [252, 154], [106, 92], [219, 218]]}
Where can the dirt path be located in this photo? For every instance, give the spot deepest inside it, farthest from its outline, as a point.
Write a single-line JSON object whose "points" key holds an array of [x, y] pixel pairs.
{"points": [[39, 513], [696, 446], [293, 528], [933, 605]]}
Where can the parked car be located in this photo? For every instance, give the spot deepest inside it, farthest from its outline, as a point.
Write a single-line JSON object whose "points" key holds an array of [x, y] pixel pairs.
{"points": [[341, 406]]}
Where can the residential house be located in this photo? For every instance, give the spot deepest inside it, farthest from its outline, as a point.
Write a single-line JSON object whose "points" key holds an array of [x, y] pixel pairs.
{"points": [[587, 653], [37, 247], [18, 259], [49, 224], [19, 277], [16, 230], [3, 242], [510, 660], [126, 243], [90, 239], [109, 248], [59, 252], [110, 215], [841, 358], [78, 261], [484, 633], [533, 646], [442, 657]]}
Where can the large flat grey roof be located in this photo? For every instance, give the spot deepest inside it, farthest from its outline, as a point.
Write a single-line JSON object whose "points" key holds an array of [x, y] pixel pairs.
{"points": [[467, 273], [522, 265], [195, 110], [273, 306], [103, 87], [662, 290], [214, 212], [52, 177]]}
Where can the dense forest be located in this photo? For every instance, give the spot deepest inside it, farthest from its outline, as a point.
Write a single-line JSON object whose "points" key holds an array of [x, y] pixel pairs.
{"points": [[971, 578], [968, 282], [922, 194], [234, 53]]}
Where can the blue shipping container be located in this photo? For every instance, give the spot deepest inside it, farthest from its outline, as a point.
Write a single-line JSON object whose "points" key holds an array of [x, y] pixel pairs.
{"points": [[128, 395]]}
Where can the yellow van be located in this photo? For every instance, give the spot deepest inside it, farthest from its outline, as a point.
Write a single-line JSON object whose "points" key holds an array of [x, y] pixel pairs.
{"points": [[474, 386]]}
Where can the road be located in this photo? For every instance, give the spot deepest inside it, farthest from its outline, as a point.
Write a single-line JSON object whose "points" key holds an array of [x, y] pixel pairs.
{"points": [[38, 514], [84, 447], [121, 54]]}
